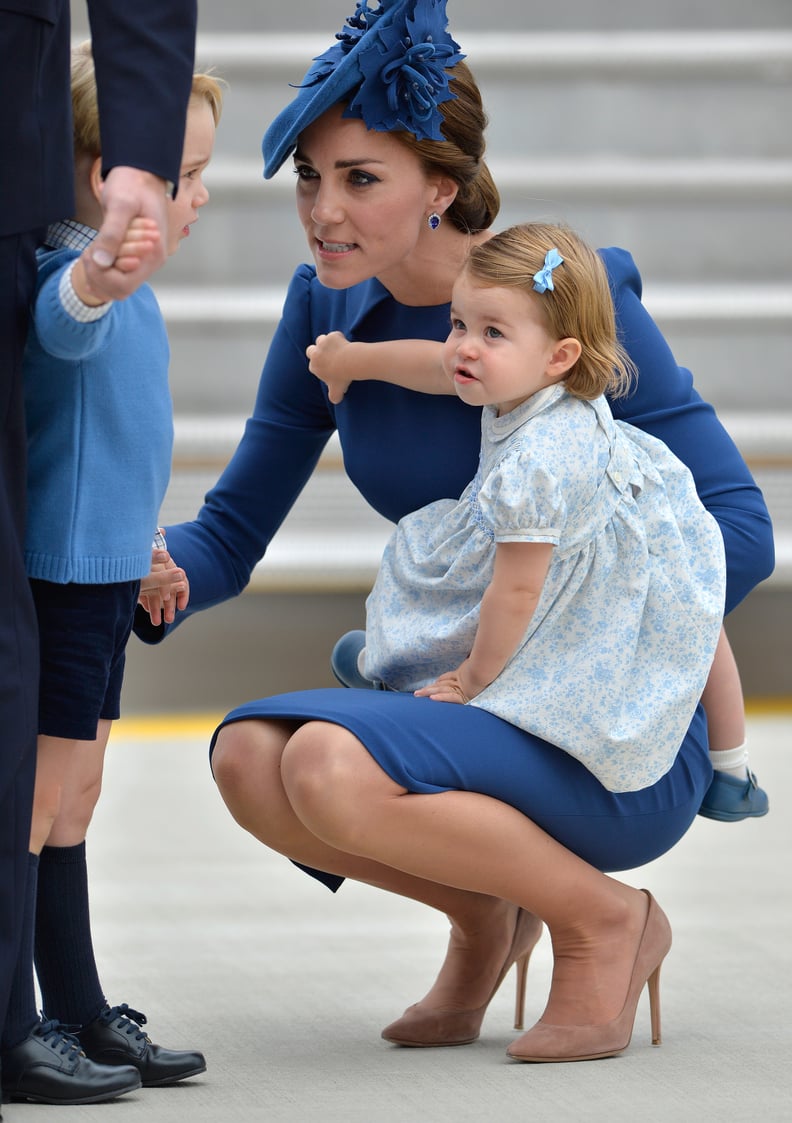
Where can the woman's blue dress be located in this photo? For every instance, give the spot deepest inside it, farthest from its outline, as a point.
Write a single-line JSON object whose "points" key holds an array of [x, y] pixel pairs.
{"points": [[402, 450]]}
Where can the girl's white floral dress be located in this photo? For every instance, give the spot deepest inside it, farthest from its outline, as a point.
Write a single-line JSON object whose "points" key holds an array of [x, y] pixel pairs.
{"points": [[617, 653]]}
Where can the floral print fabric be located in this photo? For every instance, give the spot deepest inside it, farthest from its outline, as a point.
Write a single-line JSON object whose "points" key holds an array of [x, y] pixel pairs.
{"points": [[618, 650]]}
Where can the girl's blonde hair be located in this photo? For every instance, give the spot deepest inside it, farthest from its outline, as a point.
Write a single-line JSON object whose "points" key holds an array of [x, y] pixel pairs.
{"points": [[579, 305], [85, 108]]}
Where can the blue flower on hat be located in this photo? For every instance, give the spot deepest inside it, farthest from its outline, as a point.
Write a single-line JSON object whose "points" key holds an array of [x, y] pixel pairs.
{"points": [[362, 21], [403, 66]]}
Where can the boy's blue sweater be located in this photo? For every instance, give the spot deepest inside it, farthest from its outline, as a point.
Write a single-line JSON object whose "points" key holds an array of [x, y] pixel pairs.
{"points": [[100, 434]]}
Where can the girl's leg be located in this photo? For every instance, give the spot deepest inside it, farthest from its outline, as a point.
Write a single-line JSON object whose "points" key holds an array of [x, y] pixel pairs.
{"points": [[733, 794], [247, 763], [723, 701], [476, 844]]}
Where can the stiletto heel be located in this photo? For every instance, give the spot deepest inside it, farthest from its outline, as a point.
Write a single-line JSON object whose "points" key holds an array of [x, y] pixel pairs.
{"points": [[426, 1027], [653, 986], [546, 1042], [519, 1001]]}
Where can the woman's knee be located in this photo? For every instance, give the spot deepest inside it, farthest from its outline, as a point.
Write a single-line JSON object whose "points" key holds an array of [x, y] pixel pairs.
{"points": [[246, 763], [231, 756], [331, 781]]}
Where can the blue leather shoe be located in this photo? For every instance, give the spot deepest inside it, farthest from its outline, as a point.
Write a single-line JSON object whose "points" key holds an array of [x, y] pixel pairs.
{"points": [[344, 661], [115, 1038], [728, 799], [49, 1067]]}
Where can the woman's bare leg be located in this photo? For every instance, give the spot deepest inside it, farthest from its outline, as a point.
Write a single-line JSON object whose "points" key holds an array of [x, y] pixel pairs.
{"points": [[314, 793], [247, 767], [475, 844]]}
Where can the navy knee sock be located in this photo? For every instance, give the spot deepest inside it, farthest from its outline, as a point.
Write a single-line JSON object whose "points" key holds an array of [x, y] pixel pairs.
{"points": [[22, 1015], [65, 963]]}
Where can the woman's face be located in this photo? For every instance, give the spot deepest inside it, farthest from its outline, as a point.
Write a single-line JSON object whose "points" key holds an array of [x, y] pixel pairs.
{"points": [[363, 199]]}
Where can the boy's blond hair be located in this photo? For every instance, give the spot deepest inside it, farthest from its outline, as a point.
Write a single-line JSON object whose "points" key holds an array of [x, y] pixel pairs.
{"points": [[85, 109], [578, 306]]}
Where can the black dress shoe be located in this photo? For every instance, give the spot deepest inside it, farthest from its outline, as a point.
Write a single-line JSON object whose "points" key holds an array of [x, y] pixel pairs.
{"points": [[49, 1067], [115, 1038]]}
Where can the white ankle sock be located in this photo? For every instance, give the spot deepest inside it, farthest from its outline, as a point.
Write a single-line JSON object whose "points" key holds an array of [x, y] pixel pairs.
{"points": [[734, 762]]}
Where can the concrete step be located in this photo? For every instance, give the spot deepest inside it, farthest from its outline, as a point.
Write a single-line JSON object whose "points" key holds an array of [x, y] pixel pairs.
{"points": [[670, 214], [657, 95], [605, 15]]}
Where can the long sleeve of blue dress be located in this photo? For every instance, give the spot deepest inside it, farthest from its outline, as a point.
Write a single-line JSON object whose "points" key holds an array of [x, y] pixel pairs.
{"points": [[403, 449]]}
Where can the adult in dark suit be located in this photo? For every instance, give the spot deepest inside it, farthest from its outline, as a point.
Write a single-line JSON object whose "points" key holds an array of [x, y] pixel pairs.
{"points": [[144, 54]]}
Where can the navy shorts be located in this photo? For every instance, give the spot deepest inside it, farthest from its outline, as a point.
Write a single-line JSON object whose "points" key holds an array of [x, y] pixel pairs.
{"points": [[83, 633]]}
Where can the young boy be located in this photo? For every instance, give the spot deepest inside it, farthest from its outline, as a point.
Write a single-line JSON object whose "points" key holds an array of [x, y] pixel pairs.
{"points": [[100, 434]]}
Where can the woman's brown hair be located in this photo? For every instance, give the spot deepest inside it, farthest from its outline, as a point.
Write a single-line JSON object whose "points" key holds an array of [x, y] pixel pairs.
{"points": [[461, 155]]}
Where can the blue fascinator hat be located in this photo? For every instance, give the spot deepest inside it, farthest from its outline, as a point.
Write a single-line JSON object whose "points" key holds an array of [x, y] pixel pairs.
{"points": [[390, 64]]}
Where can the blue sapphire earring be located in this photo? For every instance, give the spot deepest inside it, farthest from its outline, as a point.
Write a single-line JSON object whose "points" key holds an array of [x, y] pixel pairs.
{"points": [[434, 220]]}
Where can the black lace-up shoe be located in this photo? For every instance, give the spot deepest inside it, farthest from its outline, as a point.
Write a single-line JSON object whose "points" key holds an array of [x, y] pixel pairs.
{"points": [[49, 1067], [115, 1038]]}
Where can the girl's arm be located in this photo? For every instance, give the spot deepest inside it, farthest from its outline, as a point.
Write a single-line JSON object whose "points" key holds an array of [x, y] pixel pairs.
{"points": [[506, 610], [414, 364]]}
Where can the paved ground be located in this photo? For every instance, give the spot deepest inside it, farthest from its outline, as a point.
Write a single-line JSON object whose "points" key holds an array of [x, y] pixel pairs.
{"points": [[285, 988]]}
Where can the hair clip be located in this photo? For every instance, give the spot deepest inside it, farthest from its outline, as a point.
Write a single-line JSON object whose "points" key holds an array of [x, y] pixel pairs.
{"points": [[543, 280]]}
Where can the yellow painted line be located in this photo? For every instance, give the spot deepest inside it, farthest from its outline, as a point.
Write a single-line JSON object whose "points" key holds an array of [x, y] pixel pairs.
{"points": [[771, 706], [157, 727]]}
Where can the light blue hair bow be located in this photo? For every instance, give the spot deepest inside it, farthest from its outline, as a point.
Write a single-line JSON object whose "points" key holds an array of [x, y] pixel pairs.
{"points": [[543, 280]]}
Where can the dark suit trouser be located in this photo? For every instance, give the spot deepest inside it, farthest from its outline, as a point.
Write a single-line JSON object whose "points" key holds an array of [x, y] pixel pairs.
{"points": [[18, 630]]}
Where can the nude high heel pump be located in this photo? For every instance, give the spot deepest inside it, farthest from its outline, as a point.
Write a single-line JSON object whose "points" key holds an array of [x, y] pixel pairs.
{"points": [[546, 1043], [423, 1027]]}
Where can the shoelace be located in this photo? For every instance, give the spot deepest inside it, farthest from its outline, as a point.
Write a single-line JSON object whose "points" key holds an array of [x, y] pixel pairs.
{"points": [[125, 1013], [58, 1036]]}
